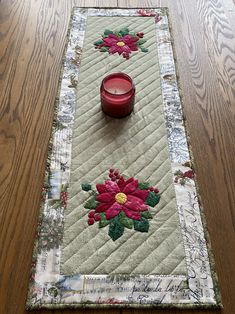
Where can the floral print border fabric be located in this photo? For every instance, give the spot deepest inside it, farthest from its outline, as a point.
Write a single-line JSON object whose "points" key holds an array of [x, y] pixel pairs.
{"points": [[49, 289]]}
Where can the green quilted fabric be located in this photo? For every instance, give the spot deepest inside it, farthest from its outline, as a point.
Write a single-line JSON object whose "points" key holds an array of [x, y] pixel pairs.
{"points": [[137, 146]]}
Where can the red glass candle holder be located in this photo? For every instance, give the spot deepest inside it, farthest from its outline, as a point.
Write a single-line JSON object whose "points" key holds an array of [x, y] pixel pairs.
{"points": [[117, 94]]}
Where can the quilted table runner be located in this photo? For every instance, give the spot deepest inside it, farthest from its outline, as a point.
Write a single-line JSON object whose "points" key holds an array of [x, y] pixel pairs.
{"points": [[120, 223]]}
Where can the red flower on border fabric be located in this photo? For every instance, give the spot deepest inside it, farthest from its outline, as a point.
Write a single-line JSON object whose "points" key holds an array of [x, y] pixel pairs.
{"points": [[184, 177], [121, 203], [144, 12], [122, 42]]}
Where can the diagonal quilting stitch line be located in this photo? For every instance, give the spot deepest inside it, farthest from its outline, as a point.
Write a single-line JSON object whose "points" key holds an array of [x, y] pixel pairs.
{"points": [[154, 158], [79, 117], [119, 22], [136, 70], [175, 267], [165, 190], [99, 250], [111, 142], [97, 230], [92, 108], [139, 248], [91, 59], [130, 64], [71, 213], [169, 254], [159, 245], [134, 124], [153, 171], [136, 75], [138, 156], [124, 156], [159, 166], [77, 252], [101, 120], [142, 155], [105, 148], [139, 111], [147, 152]]}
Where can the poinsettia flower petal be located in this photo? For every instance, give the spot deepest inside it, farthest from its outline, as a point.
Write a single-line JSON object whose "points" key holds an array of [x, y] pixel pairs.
{"points": [[112, 186], [105, 197], [121, 184], [127, 38], [131, 187], [102, 207], [135, 39], [109, 41], [113, 49], [129, 180], [119, 50], [101, 188], [131, 214], [135, 203], [113, 211], [126, 49], [133, 48], [114, 37], [143, 194]]}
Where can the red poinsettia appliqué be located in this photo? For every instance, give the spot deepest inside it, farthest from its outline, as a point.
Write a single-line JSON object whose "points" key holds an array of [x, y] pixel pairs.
{"points": [[124, 195], [121, 45], [122, 42], [120, 203]]}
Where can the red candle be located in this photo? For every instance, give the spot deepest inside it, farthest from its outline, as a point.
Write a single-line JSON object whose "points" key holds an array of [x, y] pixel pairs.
{"points": [[117, 95]]}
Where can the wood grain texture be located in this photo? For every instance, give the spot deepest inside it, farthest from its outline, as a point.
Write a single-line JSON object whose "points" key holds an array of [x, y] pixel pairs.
{"points": [[32, 39]]}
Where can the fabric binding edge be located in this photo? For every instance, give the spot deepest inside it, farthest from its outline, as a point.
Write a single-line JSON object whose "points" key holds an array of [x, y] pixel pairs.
{"points": [[218, 304]]}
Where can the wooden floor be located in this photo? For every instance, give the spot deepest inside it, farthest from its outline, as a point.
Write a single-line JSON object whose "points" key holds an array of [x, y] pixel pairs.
{"points": [[32, 38]]}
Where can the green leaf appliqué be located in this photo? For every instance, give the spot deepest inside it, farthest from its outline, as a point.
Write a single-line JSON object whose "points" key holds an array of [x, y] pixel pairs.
{"points": [[86, 187], [98, 42], [141, 225], [143, 49], [143, 185], [104, 49], [147, 215], [152, 199], [141, 41], [103, 221], [125, 221], [124, 31], [107, 32], [91, 203], [116, 229]]}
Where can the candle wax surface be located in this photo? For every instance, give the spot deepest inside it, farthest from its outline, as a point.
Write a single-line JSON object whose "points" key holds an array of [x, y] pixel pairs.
{"points": [[117, 85]]}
